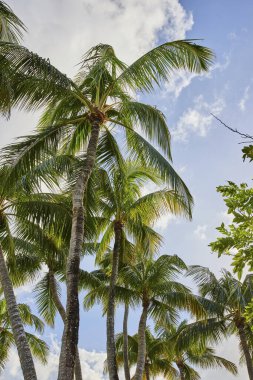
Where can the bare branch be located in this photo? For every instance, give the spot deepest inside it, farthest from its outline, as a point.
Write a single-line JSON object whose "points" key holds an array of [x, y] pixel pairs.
{"points": [[243, 135]]}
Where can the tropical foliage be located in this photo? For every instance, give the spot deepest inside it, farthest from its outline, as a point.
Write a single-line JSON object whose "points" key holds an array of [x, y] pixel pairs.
{"points": [[38, 347], [237, 238], [225, 301], [94, 178], [165, 357]]}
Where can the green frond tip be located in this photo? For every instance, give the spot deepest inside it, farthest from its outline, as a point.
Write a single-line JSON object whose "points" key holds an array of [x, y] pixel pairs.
{"points": [[158, 64], [11, 27]]}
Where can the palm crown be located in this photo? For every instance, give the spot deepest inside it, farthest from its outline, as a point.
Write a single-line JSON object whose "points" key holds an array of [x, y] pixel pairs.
{"points": [[225, 300]]}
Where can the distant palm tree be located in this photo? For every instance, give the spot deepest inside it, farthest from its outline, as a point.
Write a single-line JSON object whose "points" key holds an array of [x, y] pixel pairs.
{"points": [[226, 299], [11, 27], [39, 249], [80, 115], [155, 364], [129, 215], [16, 209], [191, 355], [152, 284], [164, 358], [38, 347], [11, 31]]}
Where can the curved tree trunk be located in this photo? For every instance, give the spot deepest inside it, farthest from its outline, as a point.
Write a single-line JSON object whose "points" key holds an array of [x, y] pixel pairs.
{"points": [[23, 348], [61, 310], [125, 344], [245, 347], [110, 343], [141, 343], [71, 326]]}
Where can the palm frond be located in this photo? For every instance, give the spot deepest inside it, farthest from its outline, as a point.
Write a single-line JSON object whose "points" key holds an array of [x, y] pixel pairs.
{"points": [[158, 64], [141, 149], [44, 300], [38, 347], [11, 27], [150, 120]]}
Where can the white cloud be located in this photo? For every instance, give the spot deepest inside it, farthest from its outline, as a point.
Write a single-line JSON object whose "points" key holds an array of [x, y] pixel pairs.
{"points": [[64, 30], [178, 82], [200, 232], [244, 99], [92, 364], [163, 222], [182, 79], [197, 120]]}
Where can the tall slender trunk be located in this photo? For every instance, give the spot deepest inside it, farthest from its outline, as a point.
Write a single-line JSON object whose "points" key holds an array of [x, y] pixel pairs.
{"points": [[61, 310], [110, 343], [180, 367], [240, 324], [23, 348], [147, 370], [71, 326], [125, 344], [141, 342]]}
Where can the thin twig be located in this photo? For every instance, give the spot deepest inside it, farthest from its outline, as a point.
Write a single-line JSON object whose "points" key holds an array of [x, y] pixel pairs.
{"points": [[243, 135]]}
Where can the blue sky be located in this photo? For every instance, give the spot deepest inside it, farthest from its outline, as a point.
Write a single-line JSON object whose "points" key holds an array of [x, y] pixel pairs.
{"points": [[206, 154]]}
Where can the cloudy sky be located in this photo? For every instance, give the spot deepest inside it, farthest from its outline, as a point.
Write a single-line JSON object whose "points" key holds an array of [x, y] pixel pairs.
{"points": [[204, 153]]}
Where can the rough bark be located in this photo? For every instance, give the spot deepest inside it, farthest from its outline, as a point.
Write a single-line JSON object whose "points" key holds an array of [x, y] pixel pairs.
{"points": [[71, 326], [147, 370], [141, 342], [110, 343], [125, 344], [240, 324], [61, 310], [23, 348], [78, 368], [180, 367]]}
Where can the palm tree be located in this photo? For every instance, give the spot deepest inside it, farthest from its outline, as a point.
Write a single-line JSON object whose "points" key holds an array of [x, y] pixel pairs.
{"points": [[16, 207], [83, 111], [128, 214], [11, 30], [37, 346], [165, 358], [39, 246], [188, 355], [11, 27], [39, 249], [226, 300], [155, 363], [52, 252], [152, 284]]}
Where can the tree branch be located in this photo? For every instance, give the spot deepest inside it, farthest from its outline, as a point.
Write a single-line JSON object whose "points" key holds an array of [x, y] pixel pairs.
{"points": [[243, 135]]}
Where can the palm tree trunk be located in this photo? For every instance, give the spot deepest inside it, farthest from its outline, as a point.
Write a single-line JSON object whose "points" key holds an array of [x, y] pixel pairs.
{"points": [[71, 325], [245, 347], [180, 367], [141, 342], [23, 348], [147, 371], [110, 344], [61, 310], [125, 344]]}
